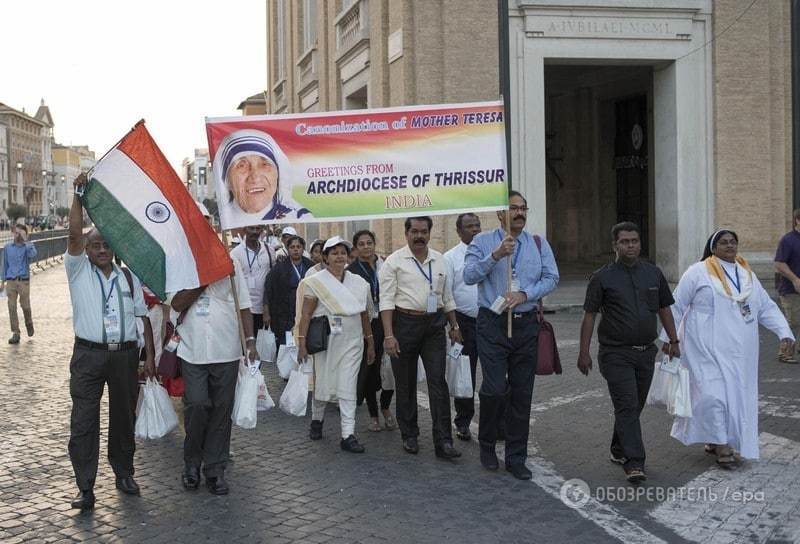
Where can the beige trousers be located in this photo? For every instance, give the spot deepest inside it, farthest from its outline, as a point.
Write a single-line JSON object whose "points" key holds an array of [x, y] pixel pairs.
{"points": [[21, 289]]}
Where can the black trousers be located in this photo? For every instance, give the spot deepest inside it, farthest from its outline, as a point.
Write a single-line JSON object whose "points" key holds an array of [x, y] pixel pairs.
{"points": [[369, 376], [258, 322], [628, 373], [465, 408], [421, 336], [508, 367], [208, 404], [90, 369]]}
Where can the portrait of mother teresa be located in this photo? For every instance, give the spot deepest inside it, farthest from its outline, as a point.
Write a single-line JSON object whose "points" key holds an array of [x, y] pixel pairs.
{"points": [[255, 171]]}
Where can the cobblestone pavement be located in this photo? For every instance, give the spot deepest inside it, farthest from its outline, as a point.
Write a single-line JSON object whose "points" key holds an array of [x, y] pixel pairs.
{"points": [[285, 488]]}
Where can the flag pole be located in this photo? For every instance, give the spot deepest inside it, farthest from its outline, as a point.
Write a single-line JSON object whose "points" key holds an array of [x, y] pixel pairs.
{"points": [[235, 292], [508, 275]]}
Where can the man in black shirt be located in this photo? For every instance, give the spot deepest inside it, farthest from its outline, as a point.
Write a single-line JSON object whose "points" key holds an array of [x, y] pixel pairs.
{"points": [[630, 293]]}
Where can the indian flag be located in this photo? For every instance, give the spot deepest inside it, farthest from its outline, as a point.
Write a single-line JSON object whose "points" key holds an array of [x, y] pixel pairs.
{"points": [[150, 220]]}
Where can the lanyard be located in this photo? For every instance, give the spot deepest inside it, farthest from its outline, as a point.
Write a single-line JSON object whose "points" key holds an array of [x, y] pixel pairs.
{"points": [[429, 275], [373, 280], [106, 298], [736, 283], [247, 254], [516, 253], [299, 271]]}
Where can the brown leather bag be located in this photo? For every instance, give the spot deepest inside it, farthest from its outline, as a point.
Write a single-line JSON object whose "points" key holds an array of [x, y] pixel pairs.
{"points": [[549, 362]]}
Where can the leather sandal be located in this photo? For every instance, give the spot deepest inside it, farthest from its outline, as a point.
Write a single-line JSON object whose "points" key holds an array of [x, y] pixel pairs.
{"points": [[389, 423], [726, 457], [374, 425]]}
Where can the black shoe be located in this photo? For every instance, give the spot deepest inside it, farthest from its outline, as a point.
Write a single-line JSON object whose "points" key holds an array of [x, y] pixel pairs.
{"points": [[635, 475], [352, 445], [519, 471], [489, 458], [128, 485], [463, 433], [14, 338], [83, 501], [410, 445], [217, 485], [315, 433], [190, 478], [29, 328], [447, 451]]}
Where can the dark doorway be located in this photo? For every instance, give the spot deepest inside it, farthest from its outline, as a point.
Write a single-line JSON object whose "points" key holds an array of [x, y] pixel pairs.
{"points": [[630, 164]]}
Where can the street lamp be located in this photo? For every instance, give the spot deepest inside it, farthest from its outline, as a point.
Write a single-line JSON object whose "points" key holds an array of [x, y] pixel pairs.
{"points": [[18, 200], [44, 194]]}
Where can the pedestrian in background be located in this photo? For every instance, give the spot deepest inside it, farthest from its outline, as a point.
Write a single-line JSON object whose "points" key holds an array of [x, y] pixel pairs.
{"points": [[255, 259], [17, 256], [105, 304], [280, 291], [466, 296], [723, 303], [787, 265], [508, 365], [368, 266], [630, 293], [416, 303]]}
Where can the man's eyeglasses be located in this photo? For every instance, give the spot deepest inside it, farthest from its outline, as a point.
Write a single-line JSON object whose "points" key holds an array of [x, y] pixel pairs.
{"points": [[523, 209]]}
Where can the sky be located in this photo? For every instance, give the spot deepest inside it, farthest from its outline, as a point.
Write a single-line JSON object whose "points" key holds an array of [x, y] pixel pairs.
{"points": [[102, 65]]}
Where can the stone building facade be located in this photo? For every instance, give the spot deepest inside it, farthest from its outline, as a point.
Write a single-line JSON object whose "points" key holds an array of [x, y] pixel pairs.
{"points": [[672, 113]]}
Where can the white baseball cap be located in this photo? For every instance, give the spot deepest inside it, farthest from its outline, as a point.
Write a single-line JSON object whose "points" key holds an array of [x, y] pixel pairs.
{"points": [[288, 231], [335, 241]]}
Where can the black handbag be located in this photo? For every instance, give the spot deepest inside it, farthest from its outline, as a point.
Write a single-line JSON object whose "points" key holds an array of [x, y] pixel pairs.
{"points": [[319, 329]]}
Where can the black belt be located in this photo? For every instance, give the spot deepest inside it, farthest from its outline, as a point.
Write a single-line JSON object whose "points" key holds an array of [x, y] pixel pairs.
{"points": [[644, 347], [118, 346], [18, 279]]}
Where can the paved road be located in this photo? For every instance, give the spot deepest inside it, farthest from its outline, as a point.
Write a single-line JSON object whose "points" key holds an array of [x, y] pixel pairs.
{"points": [[288, 489]]}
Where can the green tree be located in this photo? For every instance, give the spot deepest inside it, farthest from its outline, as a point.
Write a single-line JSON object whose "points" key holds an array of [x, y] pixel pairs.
{"points": [[15, 211], [62, 211]]}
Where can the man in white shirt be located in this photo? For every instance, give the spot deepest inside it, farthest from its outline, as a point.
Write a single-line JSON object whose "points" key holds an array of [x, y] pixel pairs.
{"points": [[416, 302], [209, 352], [255, 259], [105, 304], [466, 297]]}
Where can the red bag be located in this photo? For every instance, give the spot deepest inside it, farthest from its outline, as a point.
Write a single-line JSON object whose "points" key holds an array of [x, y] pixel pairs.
{"points": [[168, 365], [174, 386], [548, 361]]}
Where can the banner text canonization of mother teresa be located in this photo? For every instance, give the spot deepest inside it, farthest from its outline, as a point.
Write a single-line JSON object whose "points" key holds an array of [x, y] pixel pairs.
{"points": [[364, 164]]}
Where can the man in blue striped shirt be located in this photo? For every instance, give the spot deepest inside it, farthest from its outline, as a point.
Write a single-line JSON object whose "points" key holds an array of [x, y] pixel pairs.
{"points": [[16, 279], [508, 365]]}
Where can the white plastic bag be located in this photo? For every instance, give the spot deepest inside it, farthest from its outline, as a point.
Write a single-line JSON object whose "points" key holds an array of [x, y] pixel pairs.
{"points": [[287, 360], [265, 345], [459, 377], [421, 377], [294, 399], [155, 414], [265, 402], [670, 387], [681, 400], [387, 375], [245, 404]]}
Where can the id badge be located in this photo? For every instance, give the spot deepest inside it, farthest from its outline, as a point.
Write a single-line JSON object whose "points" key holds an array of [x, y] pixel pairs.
{"points": [[455, 350], [202, 304], [111, 325], [251, 282], [515, 284], [336, 325], [744, 309], [432, 303], [172, 345]]}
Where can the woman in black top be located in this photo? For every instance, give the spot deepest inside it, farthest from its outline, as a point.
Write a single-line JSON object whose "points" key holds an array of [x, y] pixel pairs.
{"points": [[366, 265], [280, 289]]}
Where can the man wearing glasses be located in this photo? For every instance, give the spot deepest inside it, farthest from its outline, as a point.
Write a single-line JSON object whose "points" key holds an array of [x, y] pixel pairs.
{"points": [[508, 364]]}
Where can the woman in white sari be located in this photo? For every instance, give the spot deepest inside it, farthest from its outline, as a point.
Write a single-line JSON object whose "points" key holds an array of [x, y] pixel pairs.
{"points": [[722, 304], [344, 299]]}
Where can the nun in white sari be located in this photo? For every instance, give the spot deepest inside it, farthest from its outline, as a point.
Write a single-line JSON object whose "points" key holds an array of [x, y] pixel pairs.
{"points": [[343, 298], [722, 303]]}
